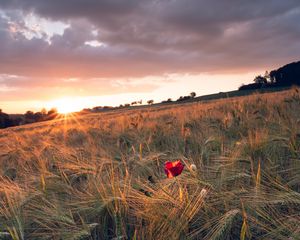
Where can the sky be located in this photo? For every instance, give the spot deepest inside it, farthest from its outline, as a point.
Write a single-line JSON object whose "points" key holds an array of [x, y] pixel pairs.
{"points": [[108, 52]]}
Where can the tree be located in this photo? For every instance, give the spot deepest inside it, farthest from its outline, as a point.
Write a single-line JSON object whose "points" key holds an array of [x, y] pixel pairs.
{"points": [[267, 76], [29, 115], [167, 101], [6, 120], [272, 77], [150, 102], [44, 111], [260, 80], [183, 98], [38, 116], [287, 75], [52, 113], [193, 94]]}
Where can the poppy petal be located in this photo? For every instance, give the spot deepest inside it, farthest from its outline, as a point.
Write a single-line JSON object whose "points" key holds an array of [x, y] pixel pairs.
{"points": [[173, 169]]}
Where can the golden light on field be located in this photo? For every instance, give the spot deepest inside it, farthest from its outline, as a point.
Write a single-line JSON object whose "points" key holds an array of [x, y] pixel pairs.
{"points": [[66, 105]]}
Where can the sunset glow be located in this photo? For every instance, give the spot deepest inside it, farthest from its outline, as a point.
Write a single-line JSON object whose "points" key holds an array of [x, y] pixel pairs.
{"points": [[66, 105], [105, 50]]}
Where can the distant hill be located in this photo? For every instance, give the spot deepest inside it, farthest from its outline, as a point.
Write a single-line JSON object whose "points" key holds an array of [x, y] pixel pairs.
{"points": [[285, 76]]}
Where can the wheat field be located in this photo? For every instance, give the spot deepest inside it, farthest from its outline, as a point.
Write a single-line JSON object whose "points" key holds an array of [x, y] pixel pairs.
{"points": [[101, 176]]}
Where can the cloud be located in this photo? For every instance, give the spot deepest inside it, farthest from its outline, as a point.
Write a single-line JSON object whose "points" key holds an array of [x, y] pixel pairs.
{"points": [[103, 41]]}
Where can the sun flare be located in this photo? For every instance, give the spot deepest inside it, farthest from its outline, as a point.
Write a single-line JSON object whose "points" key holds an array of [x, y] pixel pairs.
{"points": [[66, 105]]}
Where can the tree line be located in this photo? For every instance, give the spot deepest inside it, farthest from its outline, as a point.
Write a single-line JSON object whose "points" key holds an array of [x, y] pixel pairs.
{"points": [[10, 120], [136, 103], [285, 76]]}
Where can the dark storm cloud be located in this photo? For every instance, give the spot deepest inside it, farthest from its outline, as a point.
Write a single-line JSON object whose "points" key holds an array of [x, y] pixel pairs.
{"points": [[109, 12], [144, 37]]}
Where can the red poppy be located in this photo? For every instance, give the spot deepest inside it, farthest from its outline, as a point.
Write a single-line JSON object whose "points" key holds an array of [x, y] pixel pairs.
{"points": [[173, 169]]}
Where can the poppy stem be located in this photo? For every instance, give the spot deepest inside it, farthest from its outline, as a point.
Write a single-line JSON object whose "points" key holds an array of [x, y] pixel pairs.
{"points": [[179, 189]]}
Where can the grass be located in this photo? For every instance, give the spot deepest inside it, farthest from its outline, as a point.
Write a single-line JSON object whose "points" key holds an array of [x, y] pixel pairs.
{"points": [[101, 176]]}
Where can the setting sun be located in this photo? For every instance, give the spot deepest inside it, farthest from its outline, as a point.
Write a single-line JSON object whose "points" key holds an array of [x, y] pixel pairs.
{"points": [[66, 105]]}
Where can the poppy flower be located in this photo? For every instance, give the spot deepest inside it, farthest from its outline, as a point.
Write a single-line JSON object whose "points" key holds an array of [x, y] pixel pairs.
{"points": [[173, 169]]}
